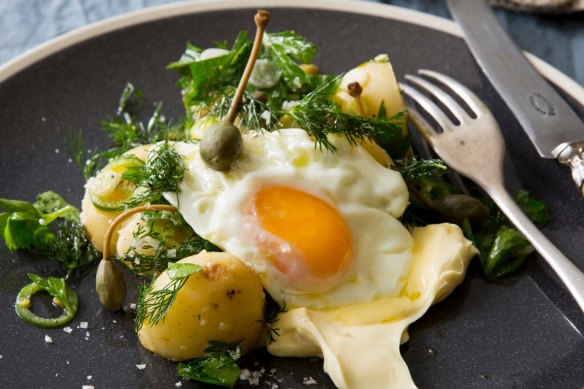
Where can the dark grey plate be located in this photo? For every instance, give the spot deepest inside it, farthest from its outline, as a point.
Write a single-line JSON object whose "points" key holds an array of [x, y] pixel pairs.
{"points": [[524, 331]]}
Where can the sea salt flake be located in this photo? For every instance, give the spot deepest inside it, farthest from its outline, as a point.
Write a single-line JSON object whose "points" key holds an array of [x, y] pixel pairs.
{"points": [[308, 381], [133, 306], [89, 377], [48, 339], [141, 367], [178, 384], [83, 324], [68, 329], [87, 387]]}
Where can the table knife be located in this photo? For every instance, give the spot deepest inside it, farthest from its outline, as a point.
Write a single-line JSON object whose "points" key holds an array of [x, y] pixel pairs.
{"points": [[553, 127]]}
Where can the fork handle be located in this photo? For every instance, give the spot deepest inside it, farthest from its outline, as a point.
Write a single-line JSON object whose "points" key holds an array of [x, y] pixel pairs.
{"points": [[570, 274]]}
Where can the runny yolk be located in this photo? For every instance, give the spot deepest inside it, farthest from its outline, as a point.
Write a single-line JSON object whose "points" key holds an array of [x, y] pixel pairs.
{"points": [[309, 225]]}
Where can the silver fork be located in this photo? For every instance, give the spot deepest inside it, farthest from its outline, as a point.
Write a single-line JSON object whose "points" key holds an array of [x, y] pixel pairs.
{"points": [[475, 149]]}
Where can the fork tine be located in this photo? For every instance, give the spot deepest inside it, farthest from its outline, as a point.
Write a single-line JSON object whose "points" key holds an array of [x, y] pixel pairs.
{"points": [[456, 109], [435, 111], [474, 103]]}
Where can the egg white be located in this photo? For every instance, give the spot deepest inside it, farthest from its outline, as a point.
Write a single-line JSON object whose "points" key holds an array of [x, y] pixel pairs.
{"points": [[369, 198]]}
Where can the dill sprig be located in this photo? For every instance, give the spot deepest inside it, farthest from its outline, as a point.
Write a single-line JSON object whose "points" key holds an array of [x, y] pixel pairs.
{"points": [[272, 312], [163, 172], [125, 131], [49, 227], [414, 168], [253, 114], [70, 246], [153, 305], [320, 116]]}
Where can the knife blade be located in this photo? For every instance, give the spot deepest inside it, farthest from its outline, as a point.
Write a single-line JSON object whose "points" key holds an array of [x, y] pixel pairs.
{"points": [[551, 124]]}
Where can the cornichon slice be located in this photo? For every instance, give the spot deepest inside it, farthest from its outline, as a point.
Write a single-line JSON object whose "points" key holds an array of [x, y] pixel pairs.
{"points": [[109, 190], [23, 303]]}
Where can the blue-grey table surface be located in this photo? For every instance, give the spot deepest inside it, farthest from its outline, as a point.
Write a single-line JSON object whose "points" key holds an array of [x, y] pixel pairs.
{"points": [[24, 24]]}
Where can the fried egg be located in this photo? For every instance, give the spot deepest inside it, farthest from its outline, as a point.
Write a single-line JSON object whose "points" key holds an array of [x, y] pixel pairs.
{"points": [[319, 227]]}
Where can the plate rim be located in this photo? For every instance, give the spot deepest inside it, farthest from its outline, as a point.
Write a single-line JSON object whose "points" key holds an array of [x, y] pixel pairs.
{"points": [[150, 14]]}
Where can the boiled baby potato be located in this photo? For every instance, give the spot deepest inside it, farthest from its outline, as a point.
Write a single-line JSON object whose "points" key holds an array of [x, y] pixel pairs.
{"points": [[97, 221], [224, 301], [379, 87]]}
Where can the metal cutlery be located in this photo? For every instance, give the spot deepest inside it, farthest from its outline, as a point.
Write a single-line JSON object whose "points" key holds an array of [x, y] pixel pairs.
{"points": [[553, 127], [474, 147]]}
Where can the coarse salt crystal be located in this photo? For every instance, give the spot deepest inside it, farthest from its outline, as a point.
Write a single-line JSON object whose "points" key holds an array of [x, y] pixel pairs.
{"points": [[178, 384], [68, 329], [133, 306], [87, 334], [141, 367], [48, 339], [89, 377], [87, 387], [83, 324], [309, 381]]}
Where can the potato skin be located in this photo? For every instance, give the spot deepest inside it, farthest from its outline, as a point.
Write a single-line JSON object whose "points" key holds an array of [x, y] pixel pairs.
{"points": [[224, 302], [97, 221]]}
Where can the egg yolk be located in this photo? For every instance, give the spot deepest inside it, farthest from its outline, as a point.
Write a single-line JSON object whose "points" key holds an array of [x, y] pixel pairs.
{"points": [[310, 226]]}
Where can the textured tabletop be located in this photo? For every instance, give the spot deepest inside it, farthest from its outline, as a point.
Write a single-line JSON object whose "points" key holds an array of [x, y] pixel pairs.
{"points": [[557, 39]]}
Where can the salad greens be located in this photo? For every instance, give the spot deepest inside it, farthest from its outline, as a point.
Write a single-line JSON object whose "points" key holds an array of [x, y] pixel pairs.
{"points": [[29, 226], [218, 367]]}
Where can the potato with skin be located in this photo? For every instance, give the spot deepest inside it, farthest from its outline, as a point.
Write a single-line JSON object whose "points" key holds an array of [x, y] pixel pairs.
{"points": [[224, 301], [379, 85], [97, 221]]}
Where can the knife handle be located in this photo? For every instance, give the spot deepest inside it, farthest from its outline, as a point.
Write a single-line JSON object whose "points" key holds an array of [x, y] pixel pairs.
{"points": [[573, 157]]}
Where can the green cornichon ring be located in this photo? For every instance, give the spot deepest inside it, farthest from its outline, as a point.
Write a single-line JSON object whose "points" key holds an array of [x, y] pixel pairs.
{"points": [[23, 302]]}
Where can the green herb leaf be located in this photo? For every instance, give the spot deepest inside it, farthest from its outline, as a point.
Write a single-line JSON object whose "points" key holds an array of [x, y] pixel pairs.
{"points": [[218, 367], [10, 205], [283, 48], [413, 169], [182, 270], [22, 230], [29, 229], [153, 305], [508, 245], [201, 77], [536, 210], [55, 287], [52, 203]]}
